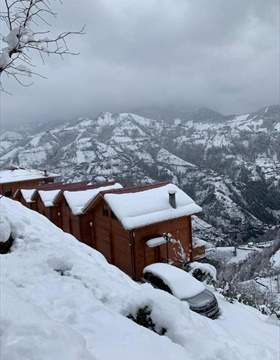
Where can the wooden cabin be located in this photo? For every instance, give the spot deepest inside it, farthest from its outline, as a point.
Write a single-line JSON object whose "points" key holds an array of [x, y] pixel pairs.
{"points": [[49, 201], [135, 227], [16, 178]]}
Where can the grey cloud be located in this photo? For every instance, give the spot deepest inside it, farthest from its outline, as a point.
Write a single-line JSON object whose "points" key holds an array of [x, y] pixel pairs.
{"points": [[220, 54]]}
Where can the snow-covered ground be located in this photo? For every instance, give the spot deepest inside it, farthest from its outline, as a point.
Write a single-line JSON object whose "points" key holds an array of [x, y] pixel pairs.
{"points": [[61, 300], [275, 260], [231, 255]]}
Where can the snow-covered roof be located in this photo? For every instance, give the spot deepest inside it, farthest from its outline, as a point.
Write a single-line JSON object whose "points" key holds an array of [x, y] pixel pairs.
{"points": [[15, 175], [28, 194], [79, 200], [49, 196], [146, 207], [182, 284]]}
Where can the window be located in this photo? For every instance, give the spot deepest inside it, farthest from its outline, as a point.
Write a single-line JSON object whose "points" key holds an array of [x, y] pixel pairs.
{"points": [[8, 193], [105, 211]]}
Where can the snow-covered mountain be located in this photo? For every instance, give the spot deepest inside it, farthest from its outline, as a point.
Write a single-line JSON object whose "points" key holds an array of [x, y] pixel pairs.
{"points": [[229, 164], [60, 299]]}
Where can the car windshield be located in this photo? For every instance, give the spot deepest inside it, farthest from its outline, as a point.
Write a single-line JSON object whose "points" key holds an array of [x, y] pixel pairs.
{"points": [[201, 299]]}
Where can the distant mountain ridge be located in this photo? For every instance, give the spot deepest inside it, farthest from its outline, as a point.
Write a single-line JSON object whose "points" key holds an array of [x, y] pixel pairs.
{"points": [[229, 164]]}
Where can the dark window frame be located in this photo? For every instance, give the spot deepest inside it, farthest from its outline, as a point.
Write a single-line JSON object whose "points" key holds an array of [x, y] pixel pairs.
{"points": [[157, 282], [8, 193]]}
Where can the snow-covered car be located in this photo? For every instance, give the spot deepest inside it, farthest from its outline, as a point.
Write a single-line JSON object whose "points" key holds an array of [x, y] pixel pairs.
{"points": [[183, 286]]}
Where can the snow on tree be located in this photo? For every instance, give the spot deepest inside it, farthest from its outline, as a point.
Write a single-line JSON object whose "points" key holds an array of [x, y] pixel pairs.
{"points": [[27, 32], [177, 248]]}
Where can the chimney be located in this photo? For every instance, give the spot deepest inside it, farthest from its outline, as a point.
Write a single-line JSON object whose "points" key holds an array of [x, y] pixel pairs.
{"points": [[172, 198], [45, 173]]}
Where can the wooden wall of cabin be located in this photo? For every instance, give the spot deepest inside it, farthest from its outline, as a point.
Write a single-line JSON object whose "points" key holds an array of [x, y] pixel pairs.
{"points": [[102, 234], [56, 216], [87, 229], [66, 217], [75, 227], [40, 206], [32, 205], [122, 248], [102, 231], [180, 230]]}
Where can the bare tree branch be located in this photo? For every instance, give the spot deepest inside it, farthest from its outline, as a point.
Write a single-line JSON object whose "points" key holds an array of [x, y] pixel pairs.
{"points": [[21, 18]]}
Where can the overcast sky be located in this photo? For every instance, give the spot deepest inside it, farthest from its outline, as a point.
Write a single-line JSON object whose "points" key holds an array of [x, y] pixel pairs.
{"points": [[137, 53]]}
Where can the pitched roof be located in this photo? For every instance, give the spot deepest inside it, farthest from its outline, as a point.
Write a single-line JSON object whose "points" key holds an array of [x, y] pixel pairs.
{"points": [[49, 197], [50, 194], [78, 201], [28, 194], [19, 174], [142, 206]]}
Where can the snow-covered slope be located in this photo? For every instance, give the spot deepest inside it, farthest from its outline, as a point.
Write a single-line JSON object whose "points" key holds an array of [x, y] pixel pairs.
{"points": [[61, 300], [275, 260], [229, 164]]}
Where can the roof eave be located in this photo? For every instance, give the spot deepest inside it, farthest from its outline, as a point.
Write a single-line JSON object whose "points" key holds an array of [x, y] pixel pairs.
{"points": [[30, 179], [132, 228]]}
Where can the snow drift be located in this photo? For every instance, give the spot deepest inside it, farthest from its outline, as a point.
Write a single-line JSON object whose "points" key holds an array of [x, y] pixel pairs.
{"points": [[61, 299]]}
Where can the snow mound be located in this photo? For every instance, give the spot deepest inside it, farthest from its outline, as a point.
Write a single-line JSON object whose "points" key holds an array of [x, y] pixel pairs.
{"points": [[204, 268], [28, 333], [5, 229], [62, 300]]}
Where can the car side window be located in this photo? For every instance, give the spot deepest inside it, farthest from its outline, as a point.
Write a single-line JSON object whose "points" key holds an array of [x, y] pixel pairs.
{"points": [[157, 282]]}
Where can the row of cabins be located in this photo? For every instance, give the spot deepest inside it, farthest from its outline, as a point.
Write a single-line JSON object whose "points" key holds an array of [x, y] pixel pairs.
{"points": [[132, 227]]}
